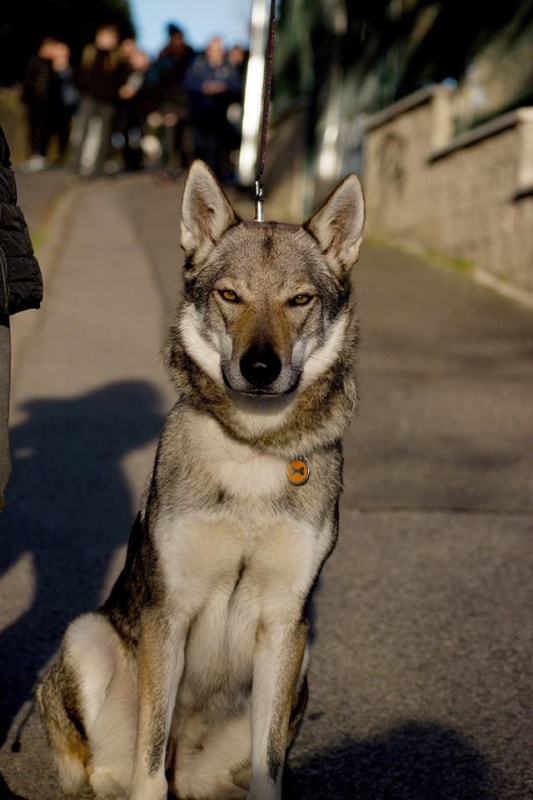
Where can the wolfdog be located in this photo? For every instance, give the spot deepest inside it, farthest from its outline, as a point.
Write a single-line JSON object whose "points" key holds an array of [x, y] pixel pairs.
{"points": [[191, 677]]}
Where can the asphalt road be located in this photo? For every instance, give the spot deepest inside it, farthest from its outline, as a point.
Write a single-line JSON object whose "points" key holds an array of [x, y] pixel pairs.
{"points": [[421, 678]]}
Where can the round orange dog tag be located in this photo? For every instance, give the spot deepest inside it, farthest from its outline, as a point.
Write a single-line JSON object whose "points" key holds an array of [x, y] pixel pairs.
{"points": [[298, 471]]}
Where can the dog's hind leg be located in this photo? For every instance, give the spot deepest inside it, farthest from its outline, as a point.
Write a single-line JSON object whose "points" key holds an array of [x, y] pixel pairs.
{"points": [[96, 679], [65, 733], [109, 699]]}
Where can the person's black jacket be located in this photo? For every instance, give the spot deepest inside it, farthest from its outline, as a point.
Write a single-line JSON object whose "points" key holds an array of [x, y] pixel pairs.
{"points": [[21, 285], [36, 81], [101, 74]]}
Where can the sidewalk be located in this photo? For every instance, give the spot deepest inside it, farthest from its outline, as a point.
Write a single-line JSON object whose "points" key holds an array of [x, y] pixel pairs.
{"points": [[422, 636], [88, 400]]}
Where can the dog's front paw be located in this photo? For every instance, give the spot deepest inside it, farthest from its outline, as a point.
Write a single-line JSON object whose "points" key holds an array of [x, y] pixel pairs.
{"points": [[149, 788]]}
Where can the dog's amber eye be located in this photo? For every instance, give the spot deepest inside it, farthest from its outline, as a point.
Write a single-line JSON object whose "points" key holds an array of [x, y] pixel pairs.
{"points": [[301, 300], [229, 295]]}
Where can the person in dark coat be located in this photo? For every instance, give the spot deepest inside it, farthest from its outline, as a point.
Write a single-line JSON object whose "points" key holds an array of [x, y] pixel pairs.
{"points": [[21, 288], [168, 98], [212, 83], [36, 92], [99, 78], [51, 99], [64, 100], [132, 106]]}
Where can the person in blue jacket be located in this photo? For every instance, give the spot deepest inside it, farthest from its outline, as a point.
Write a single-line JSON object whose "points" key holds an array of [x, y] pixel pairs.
{"points": [[212, 83]]}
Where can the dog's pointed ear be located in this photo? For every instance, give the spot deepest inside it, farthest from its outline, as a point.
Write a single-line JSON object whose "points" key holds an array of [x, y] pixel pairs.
{"points": [[338, 225], [205, 212]]}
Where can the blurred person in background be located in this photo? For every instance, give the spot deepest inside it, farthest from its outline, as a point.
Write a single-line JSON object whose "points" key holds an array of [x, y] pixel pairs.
{"points": [[132, 106], [36, 93], [64, 99], [169, 100], [20, 289], [100, 75], [213, 83], [51, 99], [238, 57]]}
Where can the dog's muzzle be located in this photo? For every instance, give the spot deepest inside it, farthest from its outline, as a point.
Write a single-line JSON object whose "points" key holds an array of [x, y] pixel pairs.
{"points": [[260, 366], [259, 373]]}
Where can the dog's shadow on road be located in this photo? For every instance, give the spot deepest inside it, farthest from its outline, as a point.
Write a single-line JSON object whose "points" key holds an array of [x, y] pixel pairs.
{"points": [[415, 761], [69, 507]]}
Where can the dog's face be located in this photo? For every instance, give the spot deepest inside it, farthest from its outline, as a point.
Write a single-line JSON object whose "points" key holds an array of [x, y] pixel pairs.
{"points": [[266, 303]]}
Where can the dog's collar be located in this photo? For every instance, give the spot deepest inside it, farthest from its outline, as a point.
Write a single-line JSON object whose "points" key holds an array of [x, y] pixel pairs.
{"points": [[298, 471]]}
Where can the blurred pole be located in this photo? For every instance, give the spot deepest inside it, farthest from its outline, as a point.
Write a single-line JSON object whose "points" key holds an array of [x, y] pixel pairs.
{"points": [[330, 156], [253, 94]]}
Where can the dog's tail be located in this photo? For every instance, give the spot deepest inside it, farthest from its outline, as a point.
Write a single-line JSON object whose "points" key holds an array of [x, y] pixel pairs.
{"points": [[65, 734]]}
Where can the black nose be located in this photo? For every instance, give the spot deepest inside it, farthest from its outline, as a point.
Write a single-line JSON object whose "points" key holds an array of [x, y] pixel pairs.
{"points": [[260, 365]]}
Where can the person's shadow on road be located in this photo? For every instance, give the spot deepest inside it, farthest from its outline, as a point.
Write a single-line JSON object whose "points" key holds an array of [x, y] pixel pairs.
{"points": [[68, 509]]}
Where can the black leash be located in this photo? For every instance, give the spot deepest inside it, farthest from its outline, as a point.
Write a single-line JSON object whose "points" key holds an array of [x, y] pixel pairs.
{"points": [[259, 194]]}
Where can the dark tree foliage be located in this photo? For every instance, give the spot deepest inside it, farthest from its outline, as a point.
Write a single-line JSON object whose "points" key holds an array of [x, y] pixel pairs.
{"points": [[457, 33], [24, 23], [405, 44]]}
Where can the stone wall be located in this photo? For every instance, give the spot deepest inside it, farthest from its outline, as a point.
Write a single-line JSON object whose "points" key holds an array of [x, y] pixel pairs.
{"points": [[467, 199]]}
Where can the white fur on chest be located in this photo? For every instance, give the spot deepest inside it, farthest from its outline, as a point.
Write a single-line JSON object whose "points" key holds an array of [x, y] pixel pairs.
{"points": [[241, 470], [206, 548], [204, 551]]}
